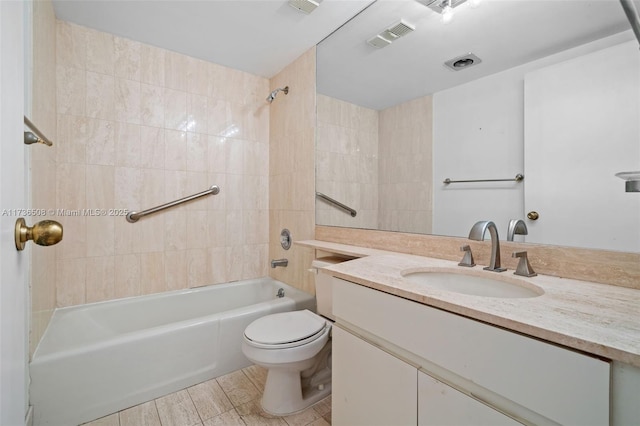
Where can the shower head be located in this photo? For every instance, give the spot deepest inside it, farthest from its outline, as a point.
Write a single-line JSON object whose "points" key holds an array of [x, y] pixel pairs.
{"points": [[273, 94]]}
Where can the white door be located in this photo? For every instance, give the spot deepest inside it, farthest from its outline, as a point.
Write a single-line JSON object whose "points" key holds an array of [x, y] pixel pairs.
{"points": [[583, 115], [13, 264]]}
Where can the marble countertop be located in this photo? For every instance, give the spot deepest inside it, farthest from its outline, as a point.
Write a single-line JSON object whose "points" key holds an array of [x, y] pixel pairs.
{"points": [[599, 319]]}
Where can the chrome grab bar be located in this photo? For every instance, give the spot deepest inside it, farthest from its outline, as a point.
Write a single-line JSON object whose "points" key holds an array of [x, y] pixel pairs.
{"points": [[338, 204], [30, 138], [519, 177], [133, 217]]}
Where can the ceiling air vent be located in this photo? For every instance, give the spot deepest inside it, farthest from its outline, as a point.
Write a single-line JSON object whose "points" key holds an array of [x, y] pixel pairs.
{"points": [[391, 34], [306, 6]]}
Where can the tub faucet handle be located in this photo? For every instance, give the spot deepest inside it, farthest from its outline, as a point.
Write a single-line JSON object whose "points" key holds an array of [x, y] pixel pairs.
{"points": [[524, 267], [467, 259]]}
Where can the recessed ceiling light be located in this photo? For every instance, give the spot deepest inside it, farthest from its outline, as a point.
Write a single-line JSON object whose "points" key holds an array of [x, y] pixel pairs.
{"points": [[462, 62]]}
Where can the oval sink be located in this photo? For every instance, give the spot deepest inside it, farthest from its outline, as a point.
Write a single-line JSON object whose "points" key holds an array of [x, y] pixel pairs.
{"points": [[473, 285]]}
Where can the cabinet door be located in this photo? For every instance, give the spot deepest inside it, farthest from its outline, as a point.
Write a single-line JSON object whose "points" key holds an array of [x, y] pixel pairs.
{"points": [[440, 405], [369, 386]]}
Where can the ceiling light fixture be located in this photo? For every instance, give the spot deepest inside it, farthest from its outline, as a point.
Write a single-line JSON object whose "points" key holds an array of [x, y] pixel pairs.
{"points": [[447, 13], [446, 7]]}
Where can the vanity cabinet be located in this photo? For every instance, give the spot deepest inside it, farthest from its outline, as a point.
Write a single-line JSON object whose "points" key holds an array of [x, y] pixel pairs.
{"points": [[370, 386], [439, 404], [465, 370]]}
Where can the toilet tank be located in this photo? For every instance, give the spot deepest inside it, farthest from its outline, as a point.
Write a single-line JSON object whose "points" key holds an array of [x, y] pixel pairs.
{"points": [[324, 285]]}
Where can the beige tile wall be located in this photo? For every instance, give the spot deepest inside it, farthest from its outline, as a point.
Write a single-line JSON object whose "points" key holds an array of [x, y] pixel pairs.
{"points": [[139, 126], [405, 142], [347, 162], [291, 169], [43, 166]]}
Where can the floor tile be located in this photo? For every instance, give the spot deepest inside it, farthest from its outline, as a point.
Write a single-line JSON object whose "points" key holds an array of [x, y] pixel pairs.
{"points": [[302, 418], [257, 375], [177, 409], [141, 415], [111, 420], [238, 388], [323, 407], [320, 422], [230, 418], [209, 399]]}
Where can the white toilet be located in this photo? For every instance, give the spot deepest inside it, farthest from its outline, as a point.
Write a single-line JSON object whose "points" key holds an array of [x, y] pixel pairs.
{"points": [[296, 349]]}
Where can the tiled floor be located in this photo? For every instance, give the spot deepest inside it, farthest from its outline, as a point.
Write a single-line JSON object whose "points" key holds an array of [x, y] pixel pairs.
{"points": [[229, 400]]}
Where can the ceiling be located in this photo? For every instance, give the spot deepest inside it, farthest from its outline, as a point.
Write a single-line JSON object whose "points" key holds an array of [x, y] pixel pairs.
{"points": [[263, 36], [503, 33], [257, 36]]}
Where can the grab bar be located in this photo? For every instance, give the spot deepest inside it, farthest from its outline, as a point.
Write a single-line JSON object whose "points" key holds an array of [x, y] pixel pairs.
{"points": [[518, 178], [338, 204], [133, 217], [30, 138]]}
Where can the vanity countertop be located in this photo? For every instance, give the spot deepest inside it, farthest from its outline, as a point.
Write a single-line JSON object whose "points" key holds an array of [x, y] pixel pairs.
{"points": [[600, 319]]}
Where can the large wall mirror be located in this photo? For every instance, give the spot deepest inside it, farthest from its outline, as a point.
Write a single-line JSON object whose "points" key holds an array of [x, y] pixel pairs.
{"points": [[545, 89]]}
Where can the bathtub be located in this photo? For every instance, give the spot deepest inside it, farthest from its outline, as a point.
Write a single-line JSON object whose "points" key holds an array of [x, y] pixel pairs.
{"points": [[100, 358]]}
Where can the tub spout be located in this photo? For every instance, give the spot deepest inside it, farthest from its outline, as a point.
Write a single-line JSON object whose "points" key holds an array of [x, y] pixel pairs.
{"points": [[279, 262]]}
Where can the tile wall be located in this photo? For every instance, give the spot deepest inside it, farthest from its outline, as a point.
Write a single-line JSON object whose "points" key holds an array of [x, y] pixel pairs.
{"points": [[405, 152], [291, 169], [347, 162], [370, 160], [139, 126], [43, 165]]}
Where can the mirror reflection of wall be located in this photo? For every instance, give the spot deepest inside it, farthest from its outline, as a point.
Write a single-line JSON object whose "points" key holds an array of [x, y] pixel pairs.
{"points": [[476, 130], [379, 161]]}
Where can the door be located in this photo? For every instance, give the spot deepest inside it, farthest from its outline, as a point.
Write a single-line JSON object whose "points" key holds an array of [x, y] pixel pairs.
{"points": [[584, 112], [13, 264]]}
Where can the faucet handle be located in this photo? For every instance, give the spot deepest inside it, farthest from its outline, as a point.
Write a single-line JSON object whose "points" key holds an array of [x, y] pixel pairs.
{"points": [[467, 260], [524, 267]]}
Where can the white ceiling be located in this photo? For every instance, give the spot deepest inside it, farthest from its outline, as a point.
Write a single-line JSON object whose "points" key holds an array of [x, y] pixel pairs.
{"points": [[503, 33], [257, 36], [263, 36]]}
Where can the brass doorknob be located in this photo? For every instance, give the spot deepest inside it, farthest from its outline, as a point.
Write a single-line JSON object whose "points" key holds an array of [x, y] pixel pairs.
{"points": [[43, 233], [533, 215]]}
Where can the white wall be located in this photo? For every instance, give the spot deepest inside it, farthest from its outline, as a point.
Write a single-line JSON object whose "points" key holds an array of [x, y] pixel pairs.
{"points": [[479, 134]]}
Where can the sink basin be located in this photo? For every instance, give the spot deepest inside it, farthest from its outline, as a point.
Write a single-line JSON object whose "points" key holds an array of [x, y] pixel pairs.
{"points": [[506, 287]]}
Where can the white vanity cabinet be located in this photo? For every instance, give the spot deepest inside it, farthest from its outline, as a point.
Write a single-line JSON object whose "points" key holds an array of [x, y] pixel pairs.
{"points": [[441, 405], [369, 386], [480, 371]]}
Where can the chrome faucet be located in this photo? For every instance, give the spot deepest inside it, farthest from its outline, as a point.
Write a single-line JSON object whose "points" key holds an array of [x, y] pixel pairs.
{"points": [[477, 233], [516, 227], [279, 262]]}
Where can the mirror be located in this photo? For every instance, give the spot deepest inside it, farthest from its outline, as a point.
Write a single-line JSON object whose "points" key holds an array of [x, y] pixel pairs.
{"points": [[546, 89]]}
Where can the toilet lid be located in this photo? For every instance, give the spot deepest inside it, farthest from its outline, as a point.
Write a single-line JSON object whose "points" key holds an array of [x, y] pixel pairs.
{"points": [[285, 327]]}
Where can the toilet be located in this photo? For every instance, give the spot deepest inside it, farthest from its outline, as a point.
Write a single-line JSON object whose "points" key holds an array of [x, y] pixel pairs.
{"points": [[295, 347]]}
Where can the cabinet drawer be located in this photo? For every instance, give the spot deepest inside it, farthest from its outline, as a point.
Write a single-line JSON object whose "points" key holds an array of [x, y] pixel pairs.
{"points": [[562, 385]]}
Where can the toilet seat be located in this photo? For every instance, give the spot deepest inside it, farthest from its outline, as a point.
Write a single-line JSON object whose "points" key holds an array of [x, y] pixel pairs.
{"points": [[285, 330]]}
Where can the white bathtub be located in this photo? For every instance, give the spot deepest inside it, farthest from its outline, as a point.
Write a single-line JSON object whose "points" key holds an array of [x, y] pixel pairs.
{"points": [[100, 358]]}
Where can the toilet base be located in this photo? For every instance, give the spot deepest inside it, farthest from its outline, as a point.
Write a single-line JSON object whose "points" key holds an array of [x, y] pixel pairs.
{"points": [[289, 390], [284, 393]]}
